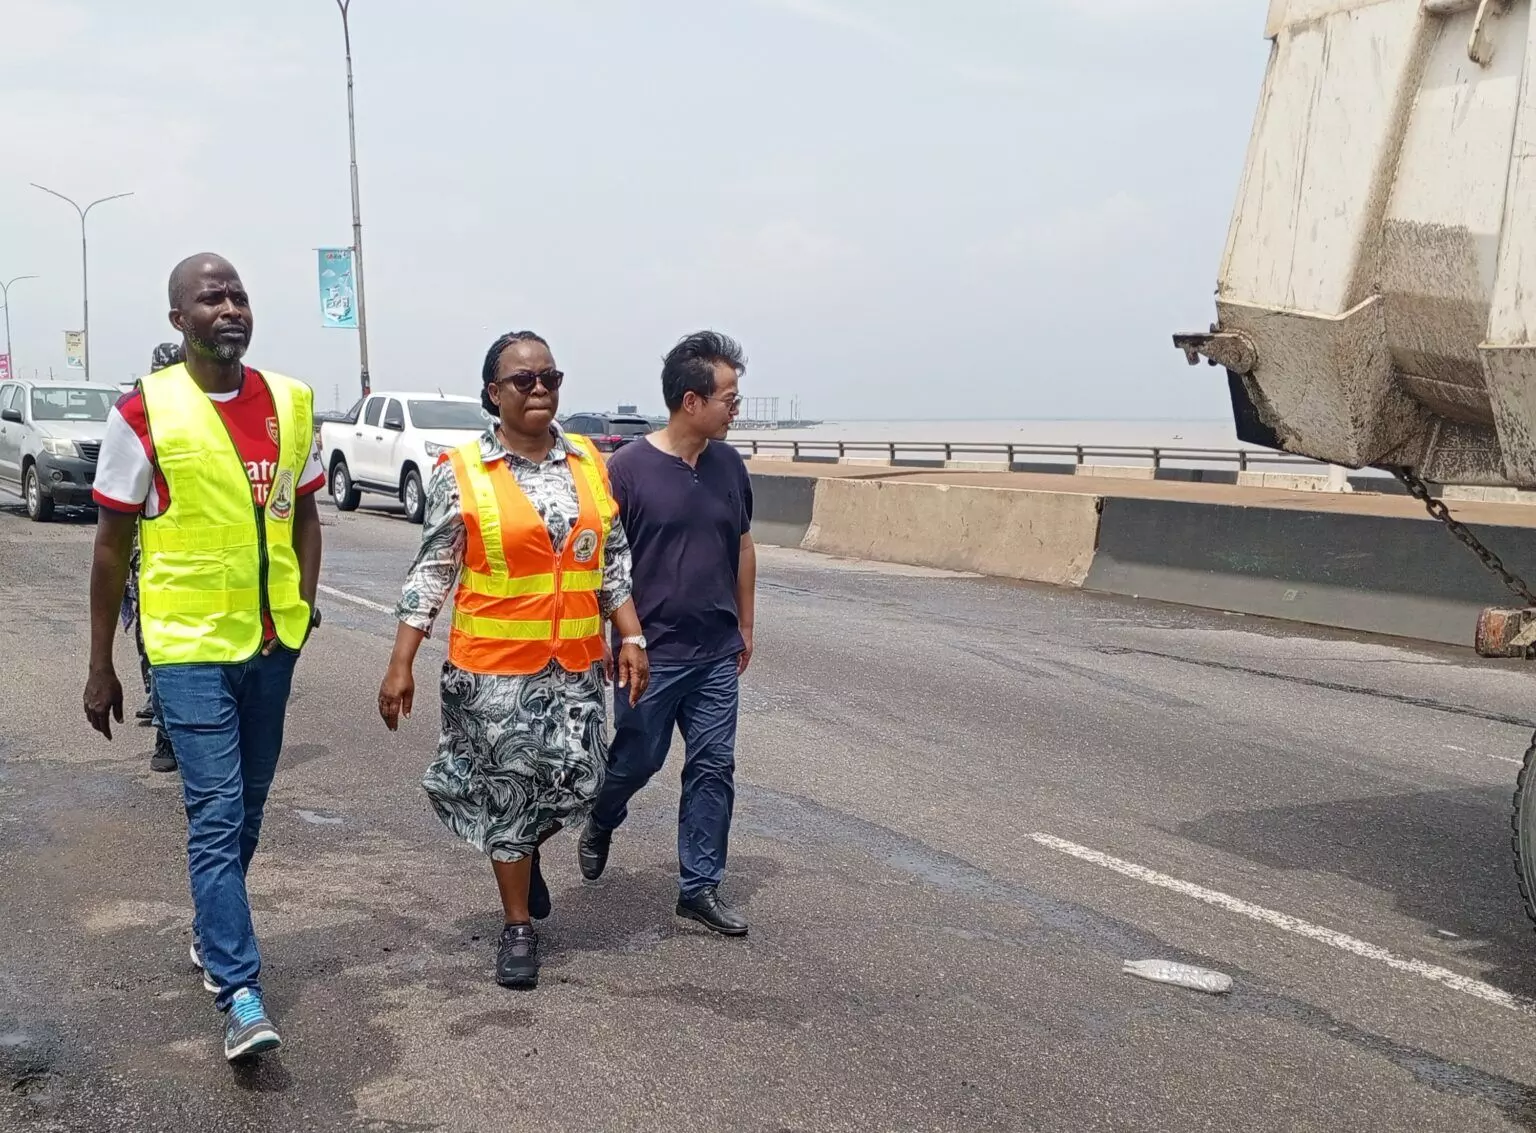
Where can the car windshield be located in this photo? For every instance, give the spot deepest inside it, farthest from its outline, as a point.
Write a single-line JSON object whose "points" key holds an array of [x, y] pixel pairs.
{"points": [[72, 404], [634, 428], [448, 415]]}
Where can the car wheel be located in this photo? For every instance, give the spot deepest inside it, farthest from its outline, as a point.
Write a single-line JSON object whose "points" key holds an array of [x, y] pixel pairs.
{"points": [[414, 499], [39, 506], [343, 493]]}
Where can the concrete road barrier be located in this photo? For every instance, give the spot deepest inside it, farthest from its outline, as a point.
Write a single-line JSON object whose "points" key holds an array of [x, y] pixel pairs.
{"points": [[781, 508], [1376, 574], [1393, 575], [977, 465], [1036, 536], [1290, 481], [1117, 471]]}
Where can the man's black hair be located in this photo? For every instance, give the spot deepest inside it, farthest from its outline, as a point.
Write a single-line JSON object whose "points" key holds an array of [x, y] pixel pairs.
{"points": [[689, 367], [493, 360]]}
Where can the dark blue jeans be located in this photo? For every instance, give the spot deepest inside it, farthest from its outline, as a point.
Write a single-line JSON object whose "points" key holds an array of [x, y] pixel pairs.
{"points": [[226, 724], [701, 701]]}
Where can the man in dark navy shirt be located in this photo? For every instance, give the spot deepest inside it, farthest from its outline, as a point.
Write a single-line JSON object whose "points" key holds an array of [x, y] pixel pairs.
{"points": [[685, 499]]}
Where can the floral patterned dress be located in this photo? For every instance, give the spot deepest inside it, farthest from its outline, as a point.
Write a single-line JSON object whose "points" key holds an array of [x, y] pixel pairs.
{"points": [[518, 755]]}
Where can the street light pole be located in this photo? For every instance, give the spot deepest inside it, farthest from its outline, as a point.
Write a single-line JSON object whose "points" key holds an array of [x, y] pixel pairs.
{"points": [[5, 301], [357, 221], [85, 282]]}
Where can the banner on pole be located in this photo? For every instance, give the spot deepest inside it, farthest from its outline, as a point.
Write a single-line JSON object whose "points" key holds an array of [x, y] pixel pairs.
{"points": [[5, 367], [338, 289], [74, 349]]}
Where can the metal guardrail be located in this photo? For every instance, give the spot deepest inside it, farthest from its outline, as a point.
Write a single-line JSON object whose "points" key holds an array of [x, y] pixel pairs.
{"points": [[1155, 456]]}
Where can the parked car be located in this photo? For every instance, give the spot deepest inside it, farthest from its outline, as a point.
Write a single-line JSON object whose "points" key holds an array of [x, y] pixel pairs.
{"points": [[388, 442], [608, 431], [50, 438]]}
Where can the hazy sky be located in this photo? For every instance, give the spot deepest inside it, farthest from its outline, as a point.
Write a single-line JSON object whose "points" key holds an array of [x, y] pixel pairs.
{"points": [[1002, 210]]}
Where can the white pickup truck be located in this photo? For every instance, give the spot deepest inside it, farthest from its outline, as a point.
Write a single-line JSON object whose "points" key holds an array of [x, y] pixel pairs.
{"points": [[388, 442]]}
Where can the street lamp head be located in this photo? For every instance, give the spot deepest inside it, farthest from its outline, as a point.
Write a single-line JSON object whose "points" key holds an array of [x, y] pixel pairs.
{"points": [[70, 201]]}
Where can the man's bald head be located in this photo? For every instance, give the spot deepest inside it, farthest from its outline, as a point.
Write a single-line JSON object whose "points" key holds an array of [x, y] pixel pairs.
{"points": [[210, 308], [186, 275]]}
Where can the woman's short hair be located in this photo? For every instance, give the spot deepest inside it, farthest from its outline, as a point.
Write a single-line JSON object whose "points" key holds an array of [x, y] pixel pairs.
{"points": [[493, 360]]}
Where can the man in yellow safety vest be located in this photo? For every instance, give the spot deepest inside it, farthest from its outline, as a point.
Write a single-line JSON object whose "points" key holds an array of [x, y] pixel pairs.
{"points": [[213, 464]]}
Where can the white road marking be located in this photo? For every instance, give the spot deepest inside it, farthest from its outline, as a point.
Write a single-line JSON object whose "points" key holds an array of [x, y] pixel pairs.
{"points": [[355, 600], [1485, 755], [1464, 984]]}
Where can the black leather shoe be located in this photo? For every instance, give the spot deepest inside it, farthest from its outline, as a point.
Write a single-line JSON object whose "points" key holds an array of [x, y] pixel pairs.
{"points": [[706, 907], [539, 905], [592, 850], [517, 960]]}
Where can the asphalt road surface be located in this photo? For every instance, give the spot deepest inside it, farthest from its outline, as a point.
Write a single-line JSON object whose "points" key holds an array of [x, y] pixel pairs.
{"points": [[962, 805]]}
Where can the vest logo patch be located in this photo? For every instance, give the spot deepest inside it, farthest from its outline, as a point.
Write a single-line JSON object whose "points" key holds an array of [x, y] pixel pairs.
{"points": [[586, 546], [272, 429], [280, 506]]}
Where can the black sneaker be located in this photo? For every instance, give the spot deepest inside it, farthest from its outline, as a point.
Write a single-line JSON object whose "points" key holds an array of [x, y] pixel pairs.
{"points": [[592, 850], [248, 1031], [517, 960], [164, 758], [706, 907], [145, 715], [539, 905]]}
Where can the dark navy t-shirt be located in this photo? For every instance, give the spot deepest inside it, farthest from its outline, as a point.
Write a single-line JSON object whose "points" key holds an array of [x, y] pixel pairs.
{"points": [[685, 527]]}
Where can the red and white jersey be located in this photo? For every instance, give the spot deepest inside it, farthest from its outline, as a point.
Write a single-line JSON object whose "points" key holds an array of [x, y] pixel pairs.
{"points": [[129, 480]]}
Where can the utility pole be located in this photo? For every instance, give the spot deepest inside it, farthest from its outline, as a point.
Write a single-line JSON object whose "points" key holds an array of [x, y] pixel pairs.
{"points": [[5, 301], [85, 285], [357, 220]]}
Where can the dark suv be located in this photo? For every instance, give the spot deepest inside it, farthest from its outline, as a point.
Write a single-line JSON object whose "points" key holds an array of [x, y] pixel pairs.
{"points": [[608, 431]]}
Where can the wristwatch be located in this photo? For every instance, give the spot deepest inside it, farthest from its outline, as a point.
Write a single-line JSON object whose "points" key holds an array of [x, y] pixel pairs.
{"points": [[639, 640], [314, 617]]}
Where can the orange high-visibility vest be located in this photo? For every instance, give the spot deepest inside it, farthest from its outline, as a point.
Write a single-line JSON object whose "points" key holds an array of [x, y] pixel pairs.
{"points": [[519, 604]]}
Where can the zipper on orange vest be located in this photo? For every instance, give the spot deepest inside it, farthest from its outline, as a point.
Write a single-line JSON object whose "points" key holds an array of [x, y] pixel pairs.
{"points": [[554, 625]]}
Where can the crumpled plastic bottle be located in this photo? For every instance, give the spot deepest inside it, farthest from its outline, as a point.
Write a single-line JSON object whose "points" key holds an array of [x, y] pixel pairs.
{"points": [[1180, 975]]}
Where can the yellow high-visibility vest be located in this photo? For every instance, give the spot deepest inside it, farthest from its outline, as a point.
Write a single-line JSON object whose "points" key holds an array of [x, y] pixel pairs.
{"points": [[213, 560]]}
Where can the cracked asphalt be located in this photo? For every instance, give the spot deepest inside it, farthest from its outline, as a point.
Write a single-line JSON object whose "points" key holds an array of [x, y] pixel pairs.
{"points": [[917, 960]]}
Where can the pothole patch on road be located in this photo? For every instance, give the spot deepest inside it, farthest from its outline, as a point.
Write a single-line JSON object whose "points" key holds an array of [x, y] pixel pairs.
{"points": [[27, 1063]]}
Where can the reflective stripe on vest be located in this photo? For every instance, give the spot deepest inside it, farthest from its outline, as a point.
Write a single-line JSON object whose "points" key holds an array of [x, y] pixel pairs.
{"points": [[207, 560], [519, 604]]}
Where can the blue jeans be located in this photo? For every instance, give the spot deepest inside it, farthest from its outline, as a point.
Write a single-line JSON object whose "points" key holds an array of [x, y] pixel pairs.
{"points": [[701, 701], [226, 724]]}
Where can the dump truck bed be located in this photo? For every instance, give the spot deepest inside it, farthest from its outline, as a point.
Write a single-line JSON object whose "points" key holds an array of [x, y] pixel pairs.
{"points": [[1377, 295]]}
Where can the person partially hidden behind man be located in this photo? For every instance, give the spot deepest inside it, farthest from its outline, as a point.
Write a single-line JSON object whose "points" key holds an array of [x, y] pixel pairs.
{"points": [[685, 500], [213, 463], [164, 757]]}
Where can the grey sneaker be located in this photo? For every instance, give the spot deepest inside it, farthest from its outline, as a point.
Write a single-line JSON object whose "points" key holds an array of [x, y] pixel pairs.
{"points": [[248, 1031], [197, 962]]}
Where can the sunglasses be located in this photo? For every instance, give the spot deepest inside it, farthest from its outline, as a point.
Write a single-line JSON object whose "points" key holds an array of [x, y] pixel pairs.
{"points": [[525, 382]]}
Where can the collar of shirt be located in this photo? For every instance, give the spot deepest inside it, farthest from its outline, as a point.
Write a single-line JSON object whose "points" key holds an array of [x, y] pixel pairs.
{"points": [[492, 450]]}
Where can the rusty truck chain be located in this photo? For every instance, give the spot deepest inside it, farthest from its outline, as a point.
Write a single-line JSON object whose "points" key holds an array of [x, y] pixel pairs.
{"points": [[1500, 632], [1419, 490]]}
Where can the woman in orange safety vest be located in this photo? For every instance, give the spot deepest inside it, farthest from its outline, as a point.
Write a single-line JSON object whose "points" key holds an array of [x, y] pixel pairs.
{"points": [[522, 530]]}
